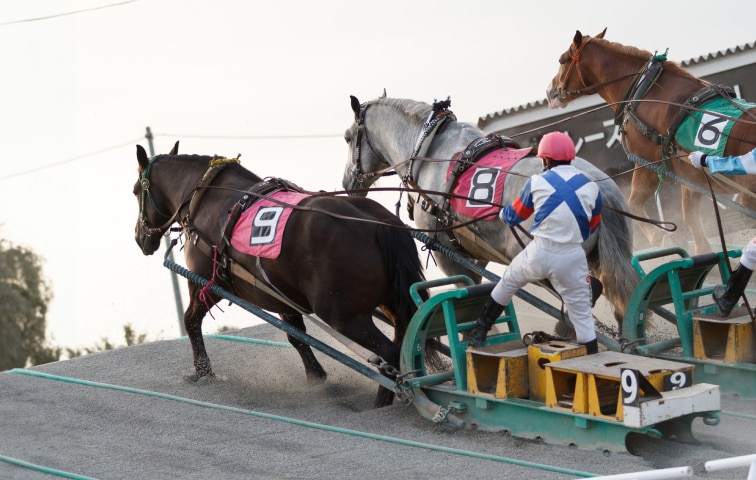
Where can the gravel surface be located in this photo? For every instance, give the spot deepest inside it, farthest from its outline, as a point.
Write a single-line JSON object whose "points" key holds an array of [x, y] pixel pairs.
{"points": [[273, 425]]}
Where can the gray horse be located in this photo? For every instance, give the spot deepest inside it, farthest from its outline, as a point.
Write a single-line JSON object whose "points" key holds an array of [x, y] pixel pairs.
{"points": [[385, 136]]}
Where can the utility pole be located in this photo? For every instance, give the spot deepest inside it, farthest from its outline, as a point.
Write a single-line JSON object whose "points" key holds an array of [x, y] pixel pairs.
{"points": [[174, 276]]}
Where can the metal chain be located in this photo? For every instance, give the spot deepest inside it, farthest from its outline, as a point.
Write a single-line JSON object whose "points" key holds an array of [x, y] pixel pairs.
{"points": [[404, 394], [608, 330]]}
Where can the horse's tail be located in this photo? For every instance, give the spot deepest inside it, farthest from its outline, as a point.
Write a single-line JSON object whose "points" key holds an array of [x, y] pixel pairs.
{"points": [[402, 266], [613, 263]]}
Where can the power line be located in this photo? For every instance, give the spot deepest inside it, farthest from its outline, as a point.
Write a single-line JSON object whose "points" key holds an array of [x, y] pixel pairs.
{"points": [[70, 160], [35, 19], [171, 135], [249, 137]]}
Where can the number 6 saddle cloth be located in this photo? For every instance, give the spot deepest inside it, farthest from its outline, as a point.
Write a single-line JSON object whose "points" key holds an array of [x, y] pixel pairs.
{"points": [[707, 128]]}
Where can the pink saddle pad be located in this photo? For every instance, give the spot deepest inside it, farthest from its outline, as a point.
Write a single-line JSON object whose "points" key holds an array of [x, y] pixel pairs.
{"points": [[260, 228], [483, 183]]}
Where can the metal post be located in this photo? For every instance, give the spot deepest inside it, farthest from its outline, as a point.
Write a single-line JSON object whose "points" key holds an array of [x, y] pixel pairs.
{"points": [[734, 462], [174, 276]]}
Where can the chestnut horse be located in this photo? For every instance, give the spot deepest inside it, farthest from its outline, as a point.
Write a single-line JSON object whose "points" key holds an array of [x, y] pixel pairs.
{"points": [[652, 98], [341, 257]]}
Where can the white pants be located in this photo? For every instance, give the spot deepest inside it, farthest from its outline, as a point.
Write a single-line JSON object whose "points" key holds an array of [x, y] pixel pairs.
{"points": [[748, 259], [567, 269]]}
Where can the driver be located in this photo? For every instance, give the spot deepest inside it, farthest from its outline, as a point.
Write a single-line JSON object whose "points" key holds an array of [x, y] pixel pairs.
{"points": [[567, 207], [727, 296]]}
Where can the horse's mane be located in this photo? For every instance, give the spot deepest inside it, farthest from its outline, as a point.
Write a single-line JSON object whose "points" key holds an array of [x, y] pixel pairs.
{"points": [[191, 157], [630, 51], [204, 160], [414, 109]]}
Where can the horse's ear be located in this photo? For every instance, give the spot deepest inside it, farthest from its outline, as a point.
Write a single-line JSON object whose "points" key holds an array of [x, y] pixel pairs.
{"points": [[601, 35], [578, 38], [384, 94], [142, 158], [174, 150], [355, 107]]}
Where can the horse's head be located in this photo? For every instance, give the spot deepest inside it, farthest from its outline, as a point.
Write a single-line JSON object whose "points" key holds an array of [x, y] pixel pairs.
{"points": [[363, 161], [151, 223], [570, 81]]}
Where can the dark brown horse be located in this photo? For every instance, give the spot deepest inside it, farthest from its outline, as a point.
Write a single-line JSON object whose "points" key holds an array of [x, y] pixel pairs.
{"points": [[341, 257], [651, 98]]}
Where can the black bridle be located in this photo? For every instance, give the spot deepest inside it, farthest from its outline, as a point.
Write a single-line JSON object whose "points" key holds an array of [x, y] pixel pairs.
{"points": [[356, 169], [145, 183]]}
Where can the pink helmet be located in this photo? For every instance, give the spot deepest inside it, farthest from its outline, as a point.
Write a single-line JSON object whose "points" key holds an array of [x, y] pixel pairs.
{"points": [[557, 146]]}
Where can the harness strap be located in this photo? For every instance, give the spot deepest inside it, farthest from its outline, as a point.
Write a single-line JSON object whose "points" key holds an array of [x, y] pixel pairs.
{"points": [[640, 86], [437, 119], [627, 110], [233, 219], [696, 100], [216, 165]]}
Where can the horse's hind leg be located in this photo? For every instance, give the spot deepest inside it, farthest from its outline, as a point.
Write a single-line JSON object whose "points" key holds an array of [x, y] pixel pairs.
{"points": [[642, 189], [193, 323], [313, 369], [364, 332]]}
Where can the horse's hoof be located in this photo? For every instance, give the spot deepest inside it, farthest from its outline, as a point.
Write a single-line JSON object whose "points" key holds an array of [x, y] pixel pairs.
{"points": [[197, 377], [205, 379], [315, 380]]}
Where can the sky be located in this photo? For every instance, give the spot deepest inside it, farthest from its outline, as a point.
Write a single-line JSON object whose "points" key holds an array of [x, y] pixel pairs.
{"points": [[80, 82]]}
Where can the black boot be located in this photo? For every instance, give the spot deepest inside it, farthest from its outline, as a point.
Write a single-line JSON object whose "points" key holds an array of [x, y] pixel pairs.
{"points": [[727, 297], [491, 311], [591, 347]]}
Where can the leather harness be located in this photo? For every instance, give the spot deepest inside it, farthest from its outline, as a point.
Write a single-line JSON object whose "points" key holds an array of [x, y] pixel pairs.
{"points": [[225, 267], [627, 110]]}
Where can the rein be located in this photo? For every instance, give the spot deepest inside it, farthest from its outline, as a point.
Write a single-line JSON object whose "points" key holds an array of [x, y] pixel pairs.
{"points": [[668, 226], [439, 113], [724, 245], [364, 220]]}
